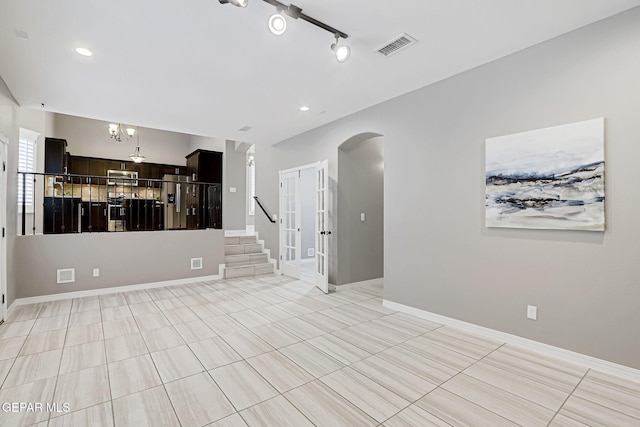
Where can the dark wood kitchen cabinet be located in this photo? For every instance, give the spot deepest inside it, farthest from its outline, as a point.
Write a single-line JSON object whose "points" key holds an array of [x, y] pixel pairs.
{"points": [[204, 200], [205, 166], [79, 166], [93, 217], [98, 167], [55, 156], [61, 215], [144, 215]]}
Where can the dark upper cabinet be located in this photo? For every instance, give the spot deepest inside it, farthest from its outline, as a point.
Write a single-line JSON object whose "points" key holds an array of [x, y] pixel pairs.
{"points": [[55, 156], [98, 167], [205, 166], [172, 170], [79, 165], [143, 169], [115, 165], [154, 171]]}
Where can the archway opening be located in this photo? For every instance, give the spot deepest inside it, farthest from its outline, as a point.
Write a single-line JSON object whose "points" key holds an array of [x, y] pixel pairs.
{"points": [[360, 245]]}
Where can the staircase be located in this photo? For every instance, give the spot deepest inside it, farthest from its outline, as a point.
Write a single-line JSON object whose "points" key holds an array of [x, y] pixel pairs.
{"points": [[244, 256]]}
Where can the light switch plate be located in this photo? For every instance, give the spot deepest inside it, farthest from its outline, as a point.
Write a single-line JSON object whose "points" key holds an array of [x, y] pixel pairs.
{"points": [[96, 272], [362, 216], [532, 312], [232, 189]]}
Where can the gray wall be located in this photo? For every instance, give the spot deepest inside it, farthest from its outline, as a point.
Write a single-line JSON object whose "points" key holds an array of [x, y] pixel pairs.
{"points": [[360, 190], [440, 257], [288, 155], [307, 211], [89, 137], [206, 143], [9, 116], [123, 259], [234, 205]]}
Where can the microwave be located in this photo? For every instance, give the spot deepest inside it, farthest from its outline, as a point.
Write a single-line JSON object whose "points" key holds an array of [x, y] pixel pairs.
{"points": [[120, 177]]}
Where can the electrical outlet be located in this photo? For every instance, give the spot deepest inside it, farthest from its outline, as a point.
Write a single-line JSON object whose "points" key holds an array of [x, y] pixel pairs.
{"points": [[233, 189], [96, 272], [532, 312], [362, 216]]}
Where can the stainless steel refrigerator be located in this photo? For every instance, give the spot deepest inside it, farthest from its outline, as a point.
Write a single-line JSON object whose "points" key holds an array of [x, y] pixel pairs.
{"points": [[174, 194]]}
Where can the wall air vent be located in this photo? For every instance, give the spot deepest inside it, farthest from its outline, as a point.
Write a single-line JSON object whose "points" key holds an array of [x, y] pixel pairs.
{"points": [[66, 275], [399, 43], [196, 263], [245, 128]]}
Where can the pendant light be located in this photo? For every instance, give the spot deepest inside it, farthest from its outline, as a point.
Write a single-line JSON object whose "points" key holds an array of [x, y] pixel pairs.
{"points": [[136, 156]]}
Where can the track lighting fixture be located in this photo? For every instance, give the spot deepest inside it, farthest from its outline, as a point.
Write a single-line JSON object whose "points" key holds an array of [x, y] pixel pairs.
{"points": [[342, 51], [278, 24], [237, 3]]}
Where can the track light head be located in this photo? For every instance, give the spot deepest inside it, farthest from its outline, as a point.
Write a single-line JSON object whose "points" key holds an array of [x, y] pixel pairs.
{"points": [[237, 3], [342, 51], [277, 24]]}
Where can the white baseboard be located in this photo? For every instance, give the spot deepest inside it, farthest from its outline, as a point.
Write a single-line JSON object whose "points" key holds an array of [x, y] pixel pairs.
{"points": [[10, 310], [527, 344], [105, 291], [347, 286]]}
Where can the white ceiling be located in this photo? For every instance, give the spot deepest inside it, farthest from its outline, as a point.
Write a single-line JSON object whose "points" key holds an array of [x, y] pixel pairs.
{"points": [[199, 67]]}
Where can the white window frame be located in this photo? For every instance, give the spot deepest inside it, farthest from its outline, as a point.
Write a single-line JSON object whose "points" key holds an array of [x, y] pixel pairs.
{"points": [[30, 137]]}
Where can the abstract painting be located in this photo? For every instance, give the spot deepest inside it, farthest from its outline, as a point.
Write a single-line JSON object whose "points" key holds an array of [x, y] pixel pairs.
{"points": [[550, 178]]}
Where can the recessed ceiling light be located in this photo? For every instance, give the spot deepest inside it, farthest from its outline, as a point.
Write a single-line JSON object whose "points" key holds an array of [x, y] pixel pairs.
{"points": [[304, 108], [84, 51]]}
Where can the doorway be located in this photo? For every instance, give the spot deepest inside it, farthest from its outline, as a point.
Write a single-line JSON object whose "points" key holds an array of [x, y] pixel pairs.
{"points": [[303, 216], [4, 145], [360, 213]]}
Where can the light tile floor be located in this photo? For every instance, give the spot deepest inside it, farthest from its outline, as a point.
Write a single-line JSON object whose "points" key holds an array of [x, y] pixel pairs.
{"points": [[308, 270], [273, 351]]}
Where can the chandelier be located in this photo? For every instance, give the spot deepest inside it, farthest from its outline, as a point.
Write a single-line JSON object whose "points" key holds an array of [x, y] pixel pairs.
{"points": [[117, 132]]}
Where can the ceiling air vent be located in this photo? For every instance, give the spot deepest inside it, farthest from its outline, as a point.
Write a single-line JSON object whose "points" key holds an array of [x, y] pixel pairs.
{"points": [[245, 128], [401, 42]]}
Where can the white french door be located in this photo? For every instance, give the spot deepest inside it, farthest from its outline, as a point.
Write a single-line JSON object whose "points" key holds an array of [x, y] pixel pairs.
{"points": [[322, 234], [290, 237]]}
